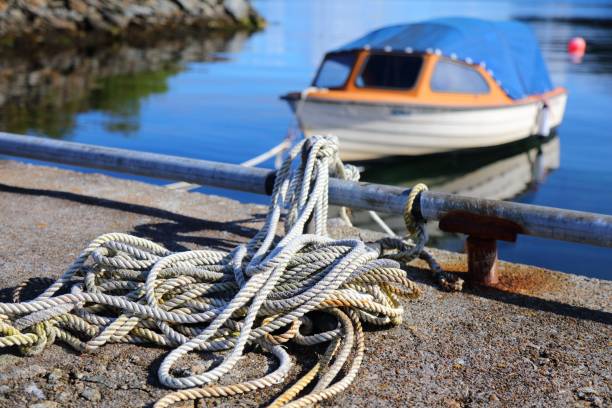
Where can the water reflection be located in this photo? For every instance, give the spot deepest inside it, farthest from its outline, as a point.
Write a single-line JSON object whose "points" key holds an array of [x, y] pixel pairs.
{"points": [[500, 173], [555, 31], [42, 93]]}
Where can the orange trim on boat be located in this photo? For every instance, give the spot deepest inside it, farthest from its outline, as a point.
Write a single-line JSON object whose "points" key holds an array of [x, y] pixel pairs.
{"points": [[421, 93]]}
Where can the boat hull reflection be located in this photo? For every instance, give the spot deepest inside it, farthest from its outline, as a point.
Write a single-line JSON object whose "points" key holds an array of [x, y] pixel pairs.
{"points": [[499, 173]]}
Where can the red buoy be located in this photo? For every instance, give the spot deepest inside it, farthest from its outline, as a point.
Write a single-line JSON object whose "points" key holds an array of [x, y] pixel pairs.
{"points": [[576, 46]]}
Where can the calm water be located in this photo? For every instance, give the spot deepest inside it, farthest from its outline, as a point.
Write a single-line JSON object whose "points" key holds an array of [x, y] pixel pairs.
{"points": [[217, 99]]}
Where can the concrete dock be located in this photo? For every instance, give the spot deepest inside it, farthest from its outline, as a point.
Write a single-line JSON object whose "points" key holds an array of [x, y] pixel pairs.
{"points": [[542, 338]]}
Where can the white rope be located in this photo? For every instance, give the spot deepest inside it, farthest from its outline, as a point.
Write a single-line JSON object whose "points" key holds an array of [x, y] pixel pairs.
{"points": [[123, 288], [381, 223]]}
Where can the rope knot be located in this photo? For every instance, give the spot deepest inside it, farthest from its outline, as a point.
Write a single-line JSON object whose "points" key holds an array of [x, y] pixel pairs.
{"points": [[329, 151], [45, 335], [351, 172], [413, 224], [327, 146]]}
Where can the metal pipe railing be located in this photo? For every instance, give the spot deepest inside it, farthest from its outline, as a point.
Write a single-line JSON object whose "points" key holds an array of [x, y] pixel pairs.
{"points": [[547, 222]]}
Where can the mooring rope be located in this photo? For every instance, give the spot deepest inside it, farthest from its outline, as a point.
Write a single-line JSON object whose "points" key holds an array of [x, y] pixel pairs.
{"points": [[265, 293]]}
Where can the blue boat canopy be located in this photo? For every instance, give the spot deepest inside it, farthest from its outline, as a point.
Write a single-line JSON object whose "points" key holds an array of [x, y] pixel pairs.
{"points": [[508, 50]]}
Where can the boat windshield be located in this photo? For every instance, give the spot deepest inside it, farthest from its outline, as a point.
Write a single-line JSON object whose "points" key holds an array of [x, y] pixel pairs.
{"points": [[390, 71], [335, 70], [456, 77]]}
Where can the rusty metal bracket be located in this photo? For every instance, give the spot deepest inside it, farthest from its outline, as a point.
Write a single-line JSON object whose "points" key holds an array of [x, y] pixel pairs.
{"points": [[481, 244]]}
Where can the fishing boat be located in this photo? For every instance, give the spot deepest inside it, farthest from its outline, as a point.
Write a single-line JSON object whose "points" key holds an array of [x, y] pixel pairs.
{"points": [[431, 87]]}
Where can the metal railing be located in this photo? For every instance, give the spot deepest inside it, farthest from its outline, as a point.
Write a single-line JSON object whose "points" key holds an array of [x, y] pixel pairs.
{"points": [[547, 222]]}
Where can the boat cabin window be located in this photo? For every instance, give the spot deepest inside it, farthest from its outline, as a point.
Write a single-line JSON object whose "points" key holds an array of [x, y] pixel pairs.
{"points": [[390, 71], [455, 77], [335, 70]]}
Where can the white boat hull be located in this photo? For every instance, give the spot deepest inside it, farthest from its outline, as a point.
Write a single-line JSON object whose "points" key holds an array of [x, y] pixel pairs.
{"points": [[371, 131]]}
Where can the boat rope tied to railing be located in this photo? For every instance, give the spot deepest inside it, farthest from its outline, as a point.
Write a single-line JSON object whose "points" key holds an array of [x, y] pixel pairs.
{"points": [[267, 292]]}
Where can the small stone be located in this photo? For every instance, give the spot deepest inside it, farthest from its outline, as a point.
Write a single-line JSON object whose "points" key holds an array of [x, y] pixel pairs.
{"points": [[33, 390], [55, 375], [79, 6], [91, 394], [199, 368], [29, 371], [35, 3], [587, 390], [94, 379], [183, 371], [64, 397], [459, 363], [134, 359], [239, 9], [190, 6], [4, 389], [453, 404], [493, 397], [45, 404], [8, 360], [78, 375]]}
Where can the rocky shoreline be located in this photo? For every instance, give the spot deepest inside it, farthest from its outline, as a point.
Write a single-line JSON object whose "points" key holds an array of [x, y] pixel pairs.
{"points": [[26, 24], [42, 92]]}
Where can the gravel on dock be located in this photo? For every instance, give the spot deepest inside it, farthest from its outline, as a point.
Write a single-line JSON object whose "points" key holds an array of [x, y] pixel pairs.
{"points": [[542, 339]]}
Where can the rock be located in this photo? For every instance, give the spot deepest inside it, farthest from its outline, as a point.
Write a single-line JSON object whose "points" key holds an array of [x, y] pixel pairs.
{"points": [[459, 363], [587, 390], [30, 371], [586, 393], [4, 389], [8, 360], [79, 6], [55, 375], [16, 15], [453, 404], [64, 397], [61, 23], [45, 404], [33, 390], [137, 10], [77, 375], [239, 9], [98, 379], [193, 7], [91, 394], [134, 359], [35, 3]]}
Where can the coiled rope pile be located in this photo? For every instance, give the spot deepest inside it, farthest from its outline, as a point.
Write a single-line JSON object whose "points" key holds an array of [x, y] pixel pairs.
{"points": [[125, 289]]}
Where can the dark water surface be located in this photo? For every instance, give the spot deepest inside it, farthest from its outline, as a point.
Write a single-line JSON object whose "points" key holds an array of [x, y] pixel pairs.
{"points": [[217, 99]]}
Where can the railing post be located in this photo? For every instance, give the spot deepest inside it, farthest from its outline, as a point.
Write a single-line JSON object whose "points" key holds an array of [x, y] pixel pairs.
{"points": [[481, 244], [482, 260]]}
